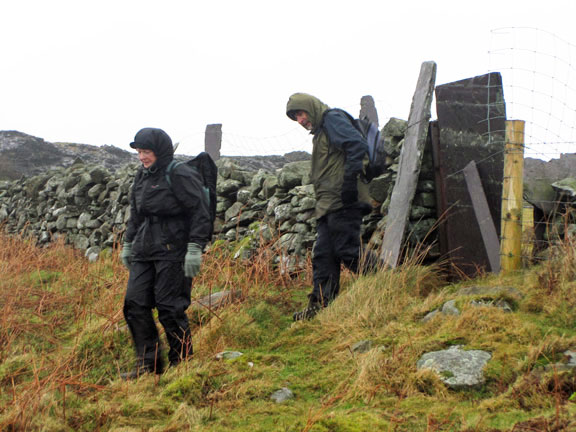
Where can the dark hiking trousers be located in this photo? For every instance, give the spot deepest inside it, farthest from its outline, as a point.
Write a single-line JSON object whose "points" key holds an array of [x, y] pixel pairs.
{"points": [[159, 284], [337, 242]]}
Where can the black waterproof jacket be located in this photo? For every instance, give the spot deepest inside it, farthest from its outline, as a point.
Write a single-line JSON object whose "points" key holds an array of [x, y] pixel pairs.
{"points": [[165, 217]]}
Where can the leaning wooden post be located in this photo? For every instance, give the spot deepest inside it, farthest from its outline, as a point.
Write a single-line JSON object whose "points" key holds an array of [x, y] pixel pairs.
{"points": [[512, 186]]}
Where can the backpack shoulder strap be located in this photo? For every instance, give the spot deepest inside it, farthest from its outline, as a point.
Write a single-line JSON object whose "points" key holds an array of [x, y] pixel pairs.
{"points": [[352, 120], [340, 110], [346, 113], [173, 164]]}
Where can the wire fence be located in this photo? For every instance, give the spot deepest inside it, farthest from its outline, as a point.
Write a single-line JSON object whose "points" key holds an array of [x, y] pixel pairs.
{"points": [[538, 71], [539, 78]]}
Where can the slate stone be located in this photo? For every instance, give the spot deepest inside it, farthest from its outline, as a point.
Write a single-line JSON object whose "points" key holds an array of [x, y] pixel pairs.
{"points": [[282, 212], [410, 162], [458, 368], [291, 174], [418, 212], [243, 196], [228, 355], [228, 187], [395, 127], [362, 346], [539, 176], [257, 181], [567, 364], [213, 140], [282, 395], [233, 211], [471, 121], [380, 188], [301, 228], [566, 188], [217, 299], [223, 204], [269, 186], [71, 223], [92, 253], [368, 109], [491, 291], [449, 308], [96, 190], [246, 217], [499, 303], [81, 242], [44, 237], [430, 315], [570, 356]]}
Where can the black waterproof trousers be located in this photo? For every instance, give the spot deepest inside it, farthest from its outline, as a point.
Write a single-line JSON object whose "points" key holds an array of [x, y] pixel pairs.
{"points": [[161, 285], [337, 242]]}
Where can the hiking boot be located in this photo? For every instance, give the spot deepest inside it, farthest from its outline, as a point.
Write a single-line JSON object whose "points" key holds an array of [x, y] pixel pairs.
{"points": [[308, 313], [175, 363], [138, 372]]}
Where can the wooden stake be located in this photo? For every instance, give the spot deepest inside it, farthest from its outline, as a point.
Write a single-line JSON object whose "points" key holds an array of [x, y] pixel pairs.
{"points": [[512, 186]]}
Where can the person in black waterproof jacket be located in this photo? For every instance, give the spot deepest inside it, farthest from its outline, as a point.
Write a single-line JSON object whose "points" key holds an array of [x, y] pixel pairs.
{"points": [[167, 231], [339, 158]]}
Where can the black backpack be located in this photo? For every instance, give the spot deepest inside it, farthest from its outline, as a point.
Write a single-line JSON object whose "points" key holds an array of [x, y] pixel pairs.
{"points": [[376, 152], [204, 164]]}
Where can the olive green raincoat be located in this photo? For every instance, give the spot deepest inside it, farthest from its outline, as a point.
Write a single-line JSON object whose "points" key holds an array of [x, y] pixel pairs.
{"points": [[329, 162]]}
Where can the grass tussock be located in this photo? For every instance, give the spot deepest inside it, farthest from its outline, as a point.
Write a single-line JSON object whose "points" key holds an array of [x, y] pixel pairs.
{"points": [[63, 343], [377, 299]]}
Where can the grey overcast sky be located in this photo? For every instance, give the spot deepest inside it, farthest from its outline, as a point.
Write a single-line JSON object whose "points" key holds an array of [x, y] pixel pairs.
{"points": [[95, 72]]}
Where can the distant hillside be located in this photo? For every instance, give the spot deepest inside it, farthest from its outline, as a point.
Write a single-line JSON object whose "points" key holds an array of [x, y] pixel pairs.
{"points": [[554, 169], [26, 155]]}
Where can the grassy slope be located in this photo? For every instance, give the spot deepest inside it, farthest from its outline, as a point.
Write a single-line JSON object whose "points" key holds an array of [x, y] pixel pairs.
{"points": [[63, 342]]}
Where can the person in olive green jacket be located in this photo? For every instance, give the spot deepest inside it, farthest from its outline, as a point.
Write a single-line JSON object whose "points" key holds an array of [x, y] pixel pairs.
{"points": [[339, 157]]}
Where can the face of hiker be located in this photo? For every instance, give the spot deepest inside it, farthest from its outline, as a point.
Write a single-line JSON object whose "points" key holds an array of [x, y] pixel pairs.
{"points": [[147, 157], [303, 120], [159, 145]]}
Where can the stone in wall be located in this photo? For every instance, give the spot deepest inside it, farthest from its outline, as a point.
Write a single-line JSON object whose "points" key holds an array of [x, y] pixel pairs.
{"points": [[89, 205]]}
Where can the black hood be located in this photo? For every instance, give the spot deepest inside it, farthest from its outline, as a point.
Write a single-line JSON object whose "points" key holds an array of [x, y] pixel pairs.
{"points": [[156, 140]]}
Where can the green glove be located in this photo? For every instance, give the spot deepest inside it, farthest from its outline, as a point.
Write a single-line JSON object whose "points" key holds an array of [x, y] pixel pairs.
{"points": [[126, 254], [192, 260]]}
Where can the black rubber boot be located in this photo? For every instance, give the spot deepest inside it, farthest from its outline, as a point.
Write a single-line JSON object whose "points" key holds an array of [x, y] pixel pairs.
{"points": [[308, 313], [142, 369]]}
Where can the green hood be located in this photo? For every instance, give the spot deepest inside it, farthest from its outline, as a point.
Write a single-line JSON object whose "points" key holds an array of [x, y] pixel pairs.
{"points": [[305, 102]]}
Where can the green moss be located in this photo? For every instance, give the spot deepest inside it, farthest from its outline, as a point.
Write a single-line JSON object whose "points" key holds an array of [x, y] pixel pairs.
{"points": [[351, 421], [269, 317], [189, 388], [446, 374], [102, 354]]}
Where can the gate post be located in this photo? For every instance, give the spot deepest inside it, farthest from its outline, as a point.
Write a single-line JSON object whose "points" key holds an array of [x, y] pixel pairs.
{"points": [[512, 202]]}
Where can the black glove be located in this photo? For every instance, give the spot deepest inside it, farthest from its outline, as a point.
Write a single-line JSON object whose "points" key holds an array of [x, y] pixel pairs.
{"points": [[349, 192]]}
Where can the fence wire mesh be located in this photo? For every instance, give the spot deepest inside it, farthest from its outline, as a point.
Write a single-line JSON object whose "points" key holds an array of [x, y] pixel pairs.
{"points": [[539, 80], [538, 71]]}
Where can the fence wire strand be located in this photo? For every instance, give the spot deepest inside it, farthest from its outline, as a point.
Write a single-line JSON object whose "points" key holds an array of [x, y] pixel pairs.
{"points": [[538, 71]]}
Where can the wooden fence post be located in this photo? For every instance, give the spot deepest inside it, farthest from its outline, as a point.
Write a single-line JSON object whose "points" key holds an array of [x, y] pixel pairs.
{"points": [[512, 203]]}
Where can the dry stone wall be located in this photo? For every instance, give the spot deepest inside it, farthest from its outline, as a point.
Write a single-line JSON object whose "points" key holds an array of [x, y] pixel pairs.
{"points": [[88, 205]]}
